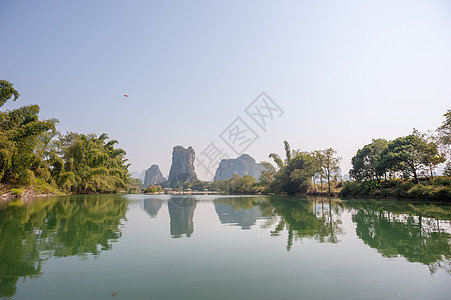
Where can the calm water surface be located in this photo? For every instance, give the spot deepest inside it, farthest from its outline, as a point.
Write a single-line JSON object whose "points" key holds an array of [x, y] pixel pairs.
{"points": [[224, 247]]}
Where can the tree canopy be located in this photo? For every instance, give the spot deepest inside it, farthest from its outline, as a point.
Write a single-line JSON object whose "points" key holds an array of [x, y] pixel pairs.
{"points": [[409, 156], [33, 152]]}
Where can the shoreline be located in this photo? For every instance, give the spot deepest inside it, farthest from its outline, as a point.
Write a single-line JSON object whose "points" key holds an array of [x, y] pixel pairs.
{"points": [[29, 193], [9, 196]]}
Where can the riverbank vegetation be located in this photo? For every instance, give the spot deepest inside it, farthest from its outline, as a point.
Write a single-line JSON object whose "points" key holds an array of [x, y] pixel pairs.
{"points": [[404, 167], [301, 172], [401, 168], [438, 188], [35, 157]]}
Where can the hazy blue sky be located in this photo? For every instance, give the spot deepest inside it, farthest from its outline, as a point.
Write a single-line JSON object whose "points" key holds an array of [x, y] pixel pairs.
{"points": [[344, 72]]}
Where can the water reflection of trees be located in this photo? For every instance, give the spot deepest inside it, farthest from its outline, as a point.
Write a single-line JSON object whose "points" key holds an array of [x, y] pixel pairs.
{"points": [[30, 234], [412, 230], [242, 211], [181, 212], [314, 218]]}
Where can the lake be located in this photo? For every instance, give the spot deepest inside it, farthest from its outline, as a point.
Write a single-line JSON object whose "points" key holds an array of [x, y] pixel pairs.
{"points": [[224, 247]]}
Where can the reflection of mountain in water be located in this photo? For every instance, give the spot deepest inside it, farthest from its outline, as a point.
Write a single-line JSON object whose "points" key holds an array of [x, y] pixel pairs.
{"points": [[241, 217], [414, 231], [152, 206], [181, 212]]}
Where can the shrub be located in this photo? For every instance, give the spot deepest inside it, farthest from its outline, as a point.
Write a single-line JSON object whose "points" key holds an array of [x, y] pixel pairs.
{"points": [[441, 193], [385, 193], [420, 191], [399, 192], [375, 193], [438, 189], [18, 192], [442, 181], [406, 186], [153, 189], [391, 183], [349, 189], [43, 187], [25, 178]]}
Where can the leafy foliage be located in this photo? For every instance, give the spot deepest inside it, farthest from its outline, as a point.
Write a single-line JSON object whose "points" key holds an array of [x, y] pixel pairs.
{"points": [[300, 170], [366, 163], [438, 188], [21, 134], [91, 164], [294, 177], [409, 157], [444, 140], [33, 153], [7, 91], [415, 157], [235, 185], [153, 189]]}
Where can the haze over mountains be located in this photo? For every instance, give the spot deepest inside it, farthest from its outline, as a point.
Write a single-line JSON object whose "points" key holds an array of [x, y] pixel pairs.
{"points": [[183, 169], [243, 165], [153, 176]]}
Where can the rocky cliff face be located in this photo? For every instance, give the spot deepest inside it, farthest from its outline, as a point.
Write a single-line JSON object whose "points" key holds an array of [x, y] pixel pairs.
{"points": [[243, 165], [153, 176], [182, 168]]}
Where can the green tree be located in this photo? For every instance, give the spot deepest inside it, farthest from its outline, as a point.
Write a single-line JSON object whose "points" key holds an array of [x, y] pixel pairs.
{"points": [[330, 164], [21, 139], [277, 160], [365, 164], [234, 183], [444, 140], [431, 156], [153, 189], [444, 130], [267, 175], [31, 154], [295, 177], [319, 172], [94, 163], [7, 91], [136, 182], [287, 152], [410, 154], [246, 184], [200, 185]]}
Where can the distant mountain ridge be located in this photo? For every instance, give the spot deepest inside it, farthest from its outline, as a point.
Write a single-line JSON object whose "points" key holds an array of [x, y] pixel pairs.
{"points": [[139, 175], [153, 176], [243, 165]]}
